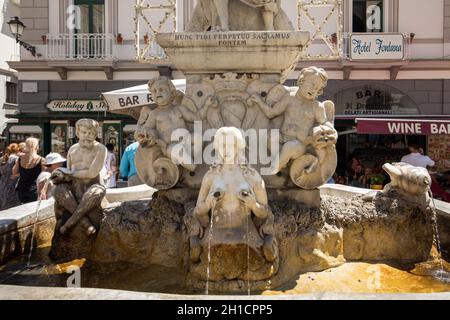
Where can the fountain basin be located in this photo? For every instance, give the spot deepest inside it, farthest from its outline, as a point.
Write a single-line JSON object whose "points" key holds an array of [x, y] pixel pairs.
{"points": [[307, 244]]}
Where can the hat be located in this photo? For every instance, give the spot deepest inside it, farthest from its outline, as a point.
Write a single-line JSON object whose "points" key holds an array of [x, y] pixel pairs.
{"points": [[54, 158]]}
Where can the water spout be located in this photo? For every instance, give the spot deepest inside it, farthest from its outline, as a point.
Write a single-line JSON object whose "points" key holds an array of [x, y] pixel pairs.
{"points": [[208, 268]]}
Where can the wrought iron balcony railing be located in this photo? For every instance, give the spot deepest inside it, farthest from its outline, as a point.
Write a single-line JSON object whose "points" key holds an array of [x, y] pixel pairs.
{"points": [[80, 46]]}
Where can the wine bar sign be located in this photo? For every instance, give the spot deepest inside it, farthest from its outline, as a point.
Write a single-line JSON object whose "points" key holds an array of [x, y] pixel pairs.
{"points": [[377, 46]]}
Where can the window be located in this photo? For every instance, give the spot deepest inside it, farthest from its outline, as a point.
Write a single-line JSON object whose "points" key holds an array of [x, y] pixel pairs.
{"points": [[89, 40], [368, 16], [11, 92], [92, 16]]}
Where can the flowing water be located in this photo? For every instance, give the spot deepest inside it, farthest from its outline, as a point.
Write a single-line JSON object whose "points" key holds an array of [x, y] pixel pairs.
{"points": [[208, 268], [36, 214], [33, 235], [248, 257], [436, 234]]}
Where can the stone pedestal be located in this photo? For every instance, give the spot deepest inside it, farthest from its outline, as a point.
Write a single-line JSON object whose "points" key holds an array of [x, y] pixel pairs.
{"points": [[261, 52]]}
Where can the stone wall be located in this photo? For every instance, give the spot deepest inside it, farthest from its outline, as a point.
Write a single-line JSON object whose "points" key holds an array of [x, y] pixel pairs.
{"points": [[34, 14], [447, 21]]}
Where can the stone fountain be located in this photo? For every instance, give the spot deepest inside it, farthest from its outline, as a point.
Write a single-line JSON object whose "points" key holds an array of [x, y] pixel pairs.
{"points": [[238, 160]]}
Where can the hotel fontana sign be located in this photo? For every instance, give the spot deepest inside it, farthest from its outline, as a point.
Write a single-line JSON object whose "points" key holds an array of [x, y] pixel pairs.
{"points": [[377, 46]]}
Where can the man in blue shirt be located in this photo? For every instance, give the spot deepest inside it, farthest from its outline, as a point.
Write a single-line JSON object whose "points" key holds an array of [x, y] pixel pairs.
{"points": [[127, 166]]}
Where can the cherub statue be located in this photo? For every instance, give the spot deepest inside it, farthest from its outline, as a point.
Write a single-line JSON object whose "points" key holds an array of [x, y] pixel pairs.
{"points": [[304, 118], [78, 189], [233, 195], [155, 126]]}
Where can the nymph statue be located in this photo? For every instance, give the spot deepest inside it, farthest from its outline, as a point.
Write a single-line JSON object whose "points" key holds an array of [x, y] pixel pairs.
{"points": [[232, 206]]}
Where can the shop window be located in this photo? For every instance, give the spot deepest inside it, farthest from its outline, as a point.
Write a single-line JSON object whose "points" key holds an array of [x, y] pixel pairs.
{"points": [[368, 16], [11, 92], [20, 133], [59, 139], [111, 135]]}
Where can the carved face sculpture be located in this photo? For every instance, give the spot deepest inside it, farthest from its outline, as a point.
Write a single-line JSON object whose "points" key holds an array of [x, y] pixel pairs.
{"points": [[87, 137], [311, 87], [161, 93], [324, 136], [229, 145], [410, 179], [311, 82], [86, 133]]}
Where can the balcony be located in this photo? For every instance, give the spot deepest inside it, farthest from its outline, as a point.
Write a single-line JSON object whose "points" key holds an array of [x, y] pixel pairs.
{"points": [[80, 47]]}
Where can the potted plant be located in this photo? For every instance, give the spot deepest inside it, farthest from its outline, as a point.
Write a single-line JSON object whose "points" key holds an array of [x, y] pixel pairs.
{"points": [[119, 38], [376, 182]]}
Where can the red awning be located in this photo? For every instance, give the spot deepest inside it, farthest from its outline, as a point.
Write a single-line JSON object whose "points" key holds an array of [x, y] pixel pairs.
{"points": [[403, 126]]}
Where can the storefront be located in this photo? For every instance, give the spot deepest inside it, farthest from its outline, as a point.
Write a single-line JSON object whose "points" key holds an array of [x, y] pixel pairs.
{"points": [[48, 110], [372, 120], [56, 129], [436, 133]]}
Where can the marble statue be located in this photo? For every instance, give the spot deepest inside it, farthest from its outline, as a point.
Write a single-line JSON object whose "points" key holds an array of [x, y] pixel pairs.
{"points": [[412, 183], [233, 202], [239, 15], [307, 143], [78, 188], [269, 9], [301, 113], [155, 128]]}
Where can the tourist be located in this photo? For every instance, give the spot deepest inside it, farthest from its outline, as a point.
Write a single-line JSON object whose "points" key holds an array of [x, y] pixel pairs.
{"points": [[8, 182], [356, 177], [110, 168], [353, 165], [22, 147], [44, 186], [416, 158], [364, 180], [28, 167], [127, 166]]}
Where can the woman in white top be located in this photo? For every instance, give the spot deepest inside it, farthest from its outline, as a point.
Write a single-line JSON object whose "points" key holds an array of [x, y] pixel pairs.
{"points": [[109, 171]]}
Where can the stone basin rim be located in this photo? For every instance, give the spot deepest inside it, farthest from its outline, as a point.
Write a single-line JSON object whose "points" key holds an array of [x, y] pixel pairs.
{"points": [[8, 292]]}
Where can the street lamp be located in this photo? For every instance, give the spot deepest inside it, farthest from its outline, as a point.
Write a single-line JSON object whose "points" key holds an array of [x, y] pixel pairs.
{"points": [[17, 27]]}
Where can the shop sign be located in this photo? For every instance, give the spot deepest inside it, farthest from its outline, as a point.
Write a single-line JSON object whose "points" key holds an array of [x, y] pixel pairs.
{"points": [[77, 106], [377, 46], [403, 127], [374, 100]]}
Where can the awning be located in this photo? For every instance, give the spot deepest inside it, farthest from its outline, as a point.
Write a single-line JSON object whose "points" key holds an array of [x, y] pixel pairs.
{"points": [[138, 96], [403, 126]]}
